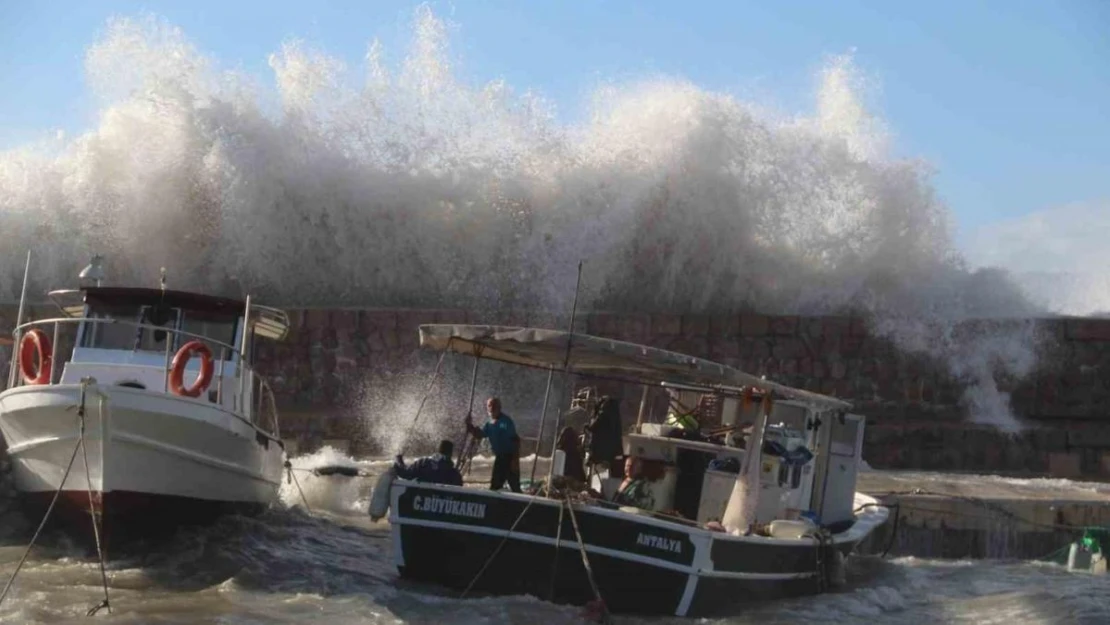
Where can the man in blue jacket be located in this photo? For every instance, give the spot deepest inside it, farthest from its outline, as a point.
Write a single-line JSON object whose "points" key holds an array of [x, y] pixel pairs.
{"points": [[503, 440], [436, 469]]}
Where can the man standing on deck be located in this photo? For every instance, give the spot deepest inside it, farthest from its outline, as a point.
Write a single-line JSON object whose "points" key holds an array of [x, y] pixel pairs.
{"points": [[503, 440]]}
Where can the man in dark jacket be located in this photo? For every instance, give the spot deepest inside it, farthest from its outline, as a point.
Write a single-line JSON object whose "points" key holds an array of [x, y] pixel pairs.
{"points": [[437, 469]]}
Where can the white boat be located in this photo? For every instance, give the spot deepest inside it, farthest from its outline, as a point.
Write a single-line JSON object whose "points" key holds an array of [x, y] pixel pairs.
{"points": [[177, 427], [723, 526]]}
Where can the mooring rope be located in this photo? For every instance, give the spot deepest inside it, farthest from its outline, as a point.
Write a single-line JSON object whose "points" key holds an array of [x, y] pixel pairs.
{"points": [[894, 528], [555, 560], [45, 517], [42, 523], [427, 393], [999, 510], [586, 563], [983, 503], [989, 505], [293, 478], [497, 550], [824, 572], [92, 509], [468, 459]]}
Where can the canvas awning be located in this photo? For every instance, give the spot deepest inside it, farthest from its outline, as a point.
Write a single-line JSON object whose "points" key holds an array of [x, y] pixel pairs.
{"points": [[601, 357]]}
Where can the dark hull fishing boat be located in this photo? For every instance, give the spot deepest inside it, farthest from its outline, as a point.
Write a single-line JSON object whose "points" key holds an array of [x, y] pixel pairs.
{"points": [[721, 526]]}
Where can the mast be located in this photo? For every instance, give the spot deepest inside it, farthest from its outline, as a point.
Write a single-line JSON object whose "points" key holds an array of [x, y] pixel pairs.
{"points": [[566, 376]]}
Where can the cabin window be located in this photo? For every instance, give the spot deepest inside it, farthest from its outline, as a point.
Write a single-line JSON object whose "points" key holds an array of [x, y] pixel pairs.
{"points": [[104, 335], [220, 332], [154, 340]]}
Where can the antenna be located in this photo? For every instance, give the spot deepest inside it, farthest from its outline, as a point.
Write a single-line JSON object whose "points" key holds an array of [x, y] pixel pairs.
{"points": [[573, 312]]}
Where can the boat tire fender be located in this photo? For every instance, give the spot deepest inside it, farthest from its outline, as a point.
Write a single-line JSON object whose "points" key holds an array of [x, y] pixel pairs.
{"points": [[379, 500], [177, 369], [32, 343]]}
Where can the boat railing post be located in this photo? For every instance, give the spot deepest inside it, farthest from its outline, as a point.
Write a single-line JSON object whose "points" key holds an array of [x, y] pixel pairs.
{"points": [[274, 412], [12, 376], [220, 378], [54, 352], [256, 399], [243, 354], [239, 373], [271, 406], [166, 371]]}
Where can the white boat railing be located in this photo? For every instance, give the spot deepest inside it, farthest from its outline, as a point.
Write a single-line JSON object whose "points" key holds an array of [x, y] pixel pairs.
{"points": [[253, 400]]}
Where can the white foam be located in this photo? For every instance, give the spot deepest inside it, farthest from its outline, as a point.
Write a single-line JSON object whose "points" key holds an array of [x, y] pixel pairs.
{"points": [[405, 186], [335, 493]]}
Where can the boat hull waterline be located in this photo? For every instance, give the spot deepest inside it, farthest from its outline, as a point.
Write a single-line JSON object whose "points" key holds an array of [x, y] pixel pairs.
{"points": [[445, 535], [155, 461]]}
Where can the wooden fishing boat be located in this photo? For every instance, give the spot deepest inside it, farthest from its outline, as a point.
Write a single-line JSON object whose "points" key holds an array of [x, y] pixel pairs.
{"points": [[724, 525]]}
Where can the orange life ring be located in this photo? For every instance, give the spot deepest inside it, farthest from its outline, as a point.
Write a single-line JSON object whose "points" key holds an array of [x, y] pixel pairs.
{"points": [[177, 370], [35, 342]]}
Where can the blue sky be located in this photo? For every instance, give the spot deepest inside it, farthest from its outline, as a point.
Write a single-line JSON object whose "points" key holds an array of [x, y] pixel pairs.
{"points": [[1007, 99]]}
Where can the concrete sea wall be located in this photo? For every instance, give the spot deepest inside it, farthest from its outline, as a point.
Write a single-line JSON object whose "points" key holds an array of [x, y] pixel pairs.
{"points": [[916, 419]]}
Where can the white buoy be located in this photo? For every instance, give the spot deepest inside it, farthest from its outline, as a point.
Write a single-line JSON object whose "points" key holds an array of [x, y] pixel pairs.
{"points": [[379, 499]]}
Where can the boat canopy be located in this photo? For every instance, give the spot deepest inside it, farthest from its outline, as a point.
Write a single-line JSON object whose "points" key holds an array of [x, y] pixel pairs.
{"points": [[606, 358]]}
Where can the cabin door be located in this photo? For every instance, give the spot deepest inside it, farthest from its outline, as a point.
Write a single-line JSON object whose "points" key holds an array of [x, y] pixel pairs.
{"points": [[840, 443]]}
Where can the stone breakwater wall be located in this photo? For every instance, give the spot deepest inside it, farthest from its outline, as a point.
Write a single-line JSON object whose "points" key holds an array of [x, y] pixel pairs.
{"points": [[916, 416]]}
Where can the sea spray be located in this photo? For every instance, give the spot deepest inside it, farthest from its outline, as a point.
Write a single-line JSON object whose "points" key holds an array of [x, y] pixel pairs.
{"points": [[406, 186], [388, 398], [334, 493]]}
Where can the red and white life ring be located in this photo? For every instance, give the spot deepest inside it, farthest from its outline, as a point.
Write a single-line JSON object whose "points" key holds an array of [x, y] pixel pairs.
{"points": [[35, 343], [177, 369]]}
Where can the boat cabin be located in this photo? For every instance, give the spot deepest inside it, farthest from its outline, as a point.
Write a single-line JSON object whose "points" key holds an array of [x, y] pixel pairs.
{"points": [[195, 346], [807, 465], [727, 440]]}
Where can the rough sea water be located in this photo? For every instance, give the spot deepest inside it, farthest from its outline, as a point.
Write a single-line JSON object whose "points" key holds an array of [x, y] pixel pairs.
{"points": [[335, 566], [400, 184]]}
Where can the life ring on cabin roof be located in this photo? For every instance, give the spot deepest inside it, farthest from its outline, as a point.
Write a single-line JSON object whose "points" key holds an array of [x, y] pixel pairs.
{"points": [[177, 369], [35, 342]]}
